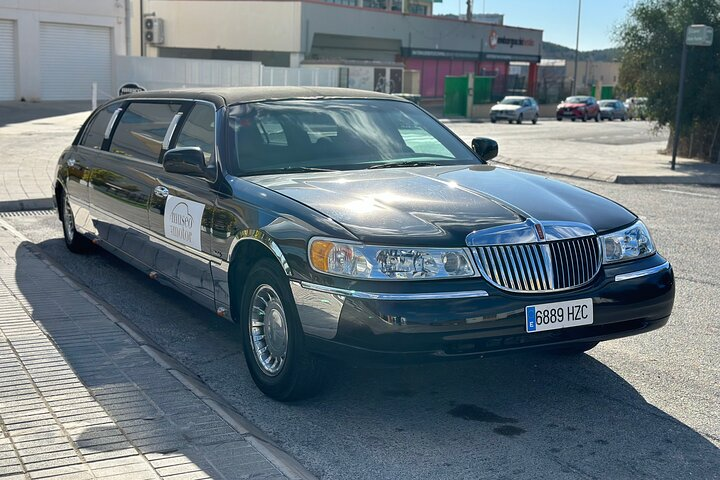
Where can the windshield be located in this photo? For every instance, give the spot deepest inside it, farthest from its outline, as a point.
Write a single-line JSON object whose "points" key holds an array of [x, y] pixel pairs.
{"points": [[318, 135], [576, 99], [512, 101]]}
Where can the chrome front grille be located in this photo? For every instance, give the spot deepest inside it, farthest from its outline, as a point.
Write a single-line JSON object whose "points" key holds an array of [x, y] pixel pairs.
{"points": [[540, 267]]}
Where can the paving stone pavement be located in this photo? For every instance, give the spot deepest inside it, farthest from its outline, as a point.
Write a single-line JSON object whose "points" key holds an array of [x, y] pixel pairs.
{"points": [[79, 398]]}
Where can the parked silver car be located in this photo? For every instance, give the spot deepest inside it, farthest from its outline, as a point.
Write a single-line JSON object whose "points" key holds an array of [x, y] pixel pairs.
{"points": [[612, 109], [515, 109]]}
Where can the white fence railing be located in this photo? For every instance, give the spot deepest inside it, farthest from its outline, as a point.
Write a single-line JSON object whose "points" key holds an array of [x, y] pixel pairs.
{"points": [[156, 73]]}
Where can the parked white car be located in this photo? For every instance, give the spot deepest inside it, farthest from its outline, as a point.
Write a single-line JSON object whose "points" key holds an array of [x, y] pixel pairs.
{"points": [[515, 109]]}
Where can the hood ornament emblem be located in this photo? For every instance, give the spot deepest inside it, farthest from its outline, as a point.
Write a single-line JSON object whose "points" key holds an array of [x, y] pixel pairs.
{"points": [[529, 231]]}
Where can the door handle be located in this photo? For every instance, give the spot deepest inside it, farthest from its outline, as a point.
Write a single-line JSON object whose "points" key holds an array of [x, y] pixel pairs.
{"points": [[71, 162], [161, 192]]}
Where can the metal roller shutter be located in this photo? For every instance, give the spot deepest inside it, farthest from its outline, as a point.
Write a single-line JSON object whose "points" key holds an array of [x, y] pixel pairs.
{"points": [[7, 60], [72, 57]]}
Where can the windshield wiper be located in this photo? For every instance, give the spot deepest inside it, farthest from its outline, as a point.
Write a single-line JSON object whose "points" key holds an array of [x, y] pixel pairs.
{"points": [[291, 170], [410, 163]]}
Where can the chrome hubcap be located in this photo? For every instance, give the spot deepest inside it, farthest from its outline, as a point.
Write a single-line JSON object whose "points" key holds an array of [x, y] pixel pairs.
{"points": [[268, 330], [68, 220]]}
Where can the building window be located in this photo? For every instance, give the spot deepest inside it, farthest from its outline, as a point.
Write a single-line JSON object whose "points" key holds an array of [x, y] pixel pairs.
{"points": [[343, 2], [418, 9], [381, 4]]}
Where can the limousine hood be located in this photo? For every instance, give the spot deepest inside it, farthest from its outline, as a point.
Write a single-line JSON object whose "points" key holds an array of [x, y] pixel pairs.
{"points": [[440, 206]]}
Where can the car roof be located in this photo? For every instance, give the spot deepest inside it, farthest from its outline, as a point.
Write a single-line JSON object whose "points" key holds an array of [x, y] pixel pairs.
{"points": [[231, 95], [519, 97]]}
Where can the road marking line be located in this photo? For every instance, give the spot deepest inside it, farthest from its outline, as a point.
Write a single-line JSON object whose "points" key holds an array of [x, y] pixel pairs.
{"points": [[682, 192]]}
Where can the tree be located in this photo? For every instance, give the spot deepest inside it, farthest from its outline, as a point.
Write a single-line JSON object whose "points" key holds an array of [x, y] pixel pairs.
{"points": [[651, 40]]}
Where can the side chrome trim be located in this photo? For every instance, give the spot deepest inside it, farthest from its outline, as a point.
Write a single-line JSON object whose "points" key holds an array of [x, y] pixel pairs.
{"points": [[171, 130], [111, 123], [393, 296], [642, 273]]}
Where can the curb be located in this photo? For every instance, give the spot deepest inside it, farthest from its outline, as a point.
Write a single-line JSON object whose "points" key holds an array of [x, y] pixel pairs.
{"points": [[283, 461], [609, 178], [27, 204]]}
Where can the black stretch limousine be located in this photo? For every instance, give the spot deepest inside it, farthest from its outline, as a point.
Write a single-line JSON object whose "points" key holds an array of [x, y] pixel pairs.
{"points": [[334, 222]]}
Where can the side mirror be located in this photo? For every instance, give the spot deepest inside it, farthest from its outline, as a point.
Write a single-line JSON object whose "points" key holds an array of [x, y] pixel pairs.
{"points": [[186, 161], [485, 148]]}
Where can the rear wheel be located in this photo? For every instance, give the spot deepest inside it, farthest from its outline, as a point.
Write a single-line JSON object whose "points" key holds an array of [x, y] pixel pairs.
{"points": [[273, 339], [520, 119], [597, 117], [576, 348], [74, 241], [584, 117]]}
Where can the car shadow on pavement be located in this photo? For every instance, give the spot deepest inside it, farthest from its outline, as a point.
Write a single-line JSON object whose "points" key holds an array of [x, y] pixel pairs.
{"points": [[514, 416], [17, 112], [152, 413]]}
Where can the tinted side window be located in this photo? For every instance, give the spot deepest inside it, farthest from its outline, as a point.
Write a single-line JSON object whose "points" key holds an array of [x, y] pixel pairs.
{"points": [[95, 131], [141, 130], [199, 131]]}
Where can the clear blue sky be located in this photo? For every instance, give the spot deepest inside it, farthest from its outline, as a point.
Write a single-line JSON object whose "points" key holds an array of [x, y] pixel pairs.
{"points": [[558, 18]]}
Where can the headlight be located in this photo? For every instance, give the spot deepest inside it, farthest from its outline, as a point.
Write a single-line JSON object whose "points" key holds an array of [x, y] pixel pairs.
{"points": [[628, 244], [355, 260]]}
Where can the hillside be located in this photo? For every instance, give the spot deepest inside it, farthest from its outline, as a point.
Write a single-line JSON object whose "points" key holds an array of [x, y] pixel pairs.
{"points": [[553, 50]]}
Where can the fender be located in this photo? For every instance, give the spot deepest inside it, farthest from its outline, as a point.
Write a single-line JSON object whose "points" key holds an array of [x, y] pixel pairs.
{"points": [[263, 238]]}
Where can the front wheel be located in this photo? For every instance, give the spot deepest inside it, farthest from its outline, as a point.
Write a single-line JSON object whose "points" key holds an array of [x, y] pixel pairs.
{"points": [[273, 339], [74, 241], [534, 120], [597, 117], [520, 119]]}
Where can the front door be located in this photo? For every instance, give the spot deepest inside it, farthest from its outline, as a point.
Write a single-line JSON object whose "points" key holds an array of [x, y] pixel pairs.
{"points": [[181, 212]]}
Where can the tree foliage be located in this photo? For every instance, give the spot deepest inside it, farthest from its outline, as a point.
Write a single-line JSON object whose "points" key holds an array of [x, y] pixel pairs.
{"points": [[651, 41]]}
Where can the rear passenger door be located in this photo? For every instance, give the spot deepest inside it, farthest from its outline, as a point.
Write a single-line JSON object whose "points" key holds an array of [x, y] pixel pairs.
{"points": [[123, 177], [181, 211], [79, 163]]}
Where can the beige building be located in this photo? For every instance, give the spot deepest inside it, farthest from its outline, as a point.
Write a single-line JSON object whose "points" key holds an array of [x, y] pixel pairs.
{"points": [[591, 73], [374, 41]]}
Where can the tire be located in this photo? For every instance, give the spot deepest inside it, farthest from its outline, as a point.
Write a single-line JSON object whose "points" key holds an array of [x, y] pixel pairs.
{"points": [[584, 117], [74, 240], [559, 119], [597, 117], [577, 348], [534, 120], [492, 120], [573, 119], [510, 122], [520, 119], [289, 372], [622, 119]]}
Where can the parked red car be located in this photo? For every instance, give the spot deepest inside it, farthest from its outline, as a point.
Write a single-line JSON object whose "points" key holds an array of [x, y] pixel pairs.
{"points": [[581, 107]]}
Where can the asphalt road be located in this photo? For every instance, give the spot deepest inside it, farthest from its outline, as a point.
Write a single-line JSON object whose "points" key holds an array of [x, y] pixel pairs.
{"points": [[640, 407]]}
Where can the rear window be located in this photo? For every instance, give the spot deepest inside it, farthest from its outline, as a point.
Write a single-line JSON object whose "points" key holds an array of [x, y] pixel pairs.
{"points": [[95, 131], [141, 130]]}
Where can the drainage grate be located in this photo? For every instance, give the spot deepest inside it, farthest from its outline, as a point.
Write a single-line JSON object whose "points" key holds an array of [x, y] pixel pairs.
{"points": [[28, 213]]}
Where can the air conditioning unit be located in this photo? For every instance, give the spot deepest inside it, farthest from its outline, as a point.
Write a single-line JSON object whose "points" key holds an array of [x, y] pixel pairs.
{"points": [[153, 30]]}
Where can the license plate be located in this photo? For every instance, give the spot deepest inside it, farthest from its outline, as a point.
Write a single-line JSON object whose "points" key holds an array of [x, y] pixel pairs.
{"points": [[552, 316]]}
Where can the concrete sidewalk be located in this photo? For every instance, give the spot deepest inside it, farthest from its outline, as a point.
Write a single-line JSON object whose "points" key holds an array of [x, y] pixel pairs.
{"points": [[32, 137], [82, 395], [633, 158]]}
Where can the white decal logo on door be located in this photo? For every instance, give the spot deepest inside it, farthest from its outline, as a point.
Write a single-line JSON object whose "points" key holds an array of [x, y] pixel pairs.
{"points": [[182, 220]]}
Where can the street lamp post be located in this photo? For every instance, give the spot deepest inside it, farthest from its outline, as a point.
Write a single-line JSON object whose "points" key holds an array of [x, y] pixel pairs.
{"points": [[577, 50]]}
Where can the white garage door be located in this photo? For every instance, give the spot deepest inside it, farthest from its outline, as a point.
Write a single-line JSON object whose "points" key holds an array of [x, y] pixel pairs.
{"points": [[7, 60], [72, 57]]}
